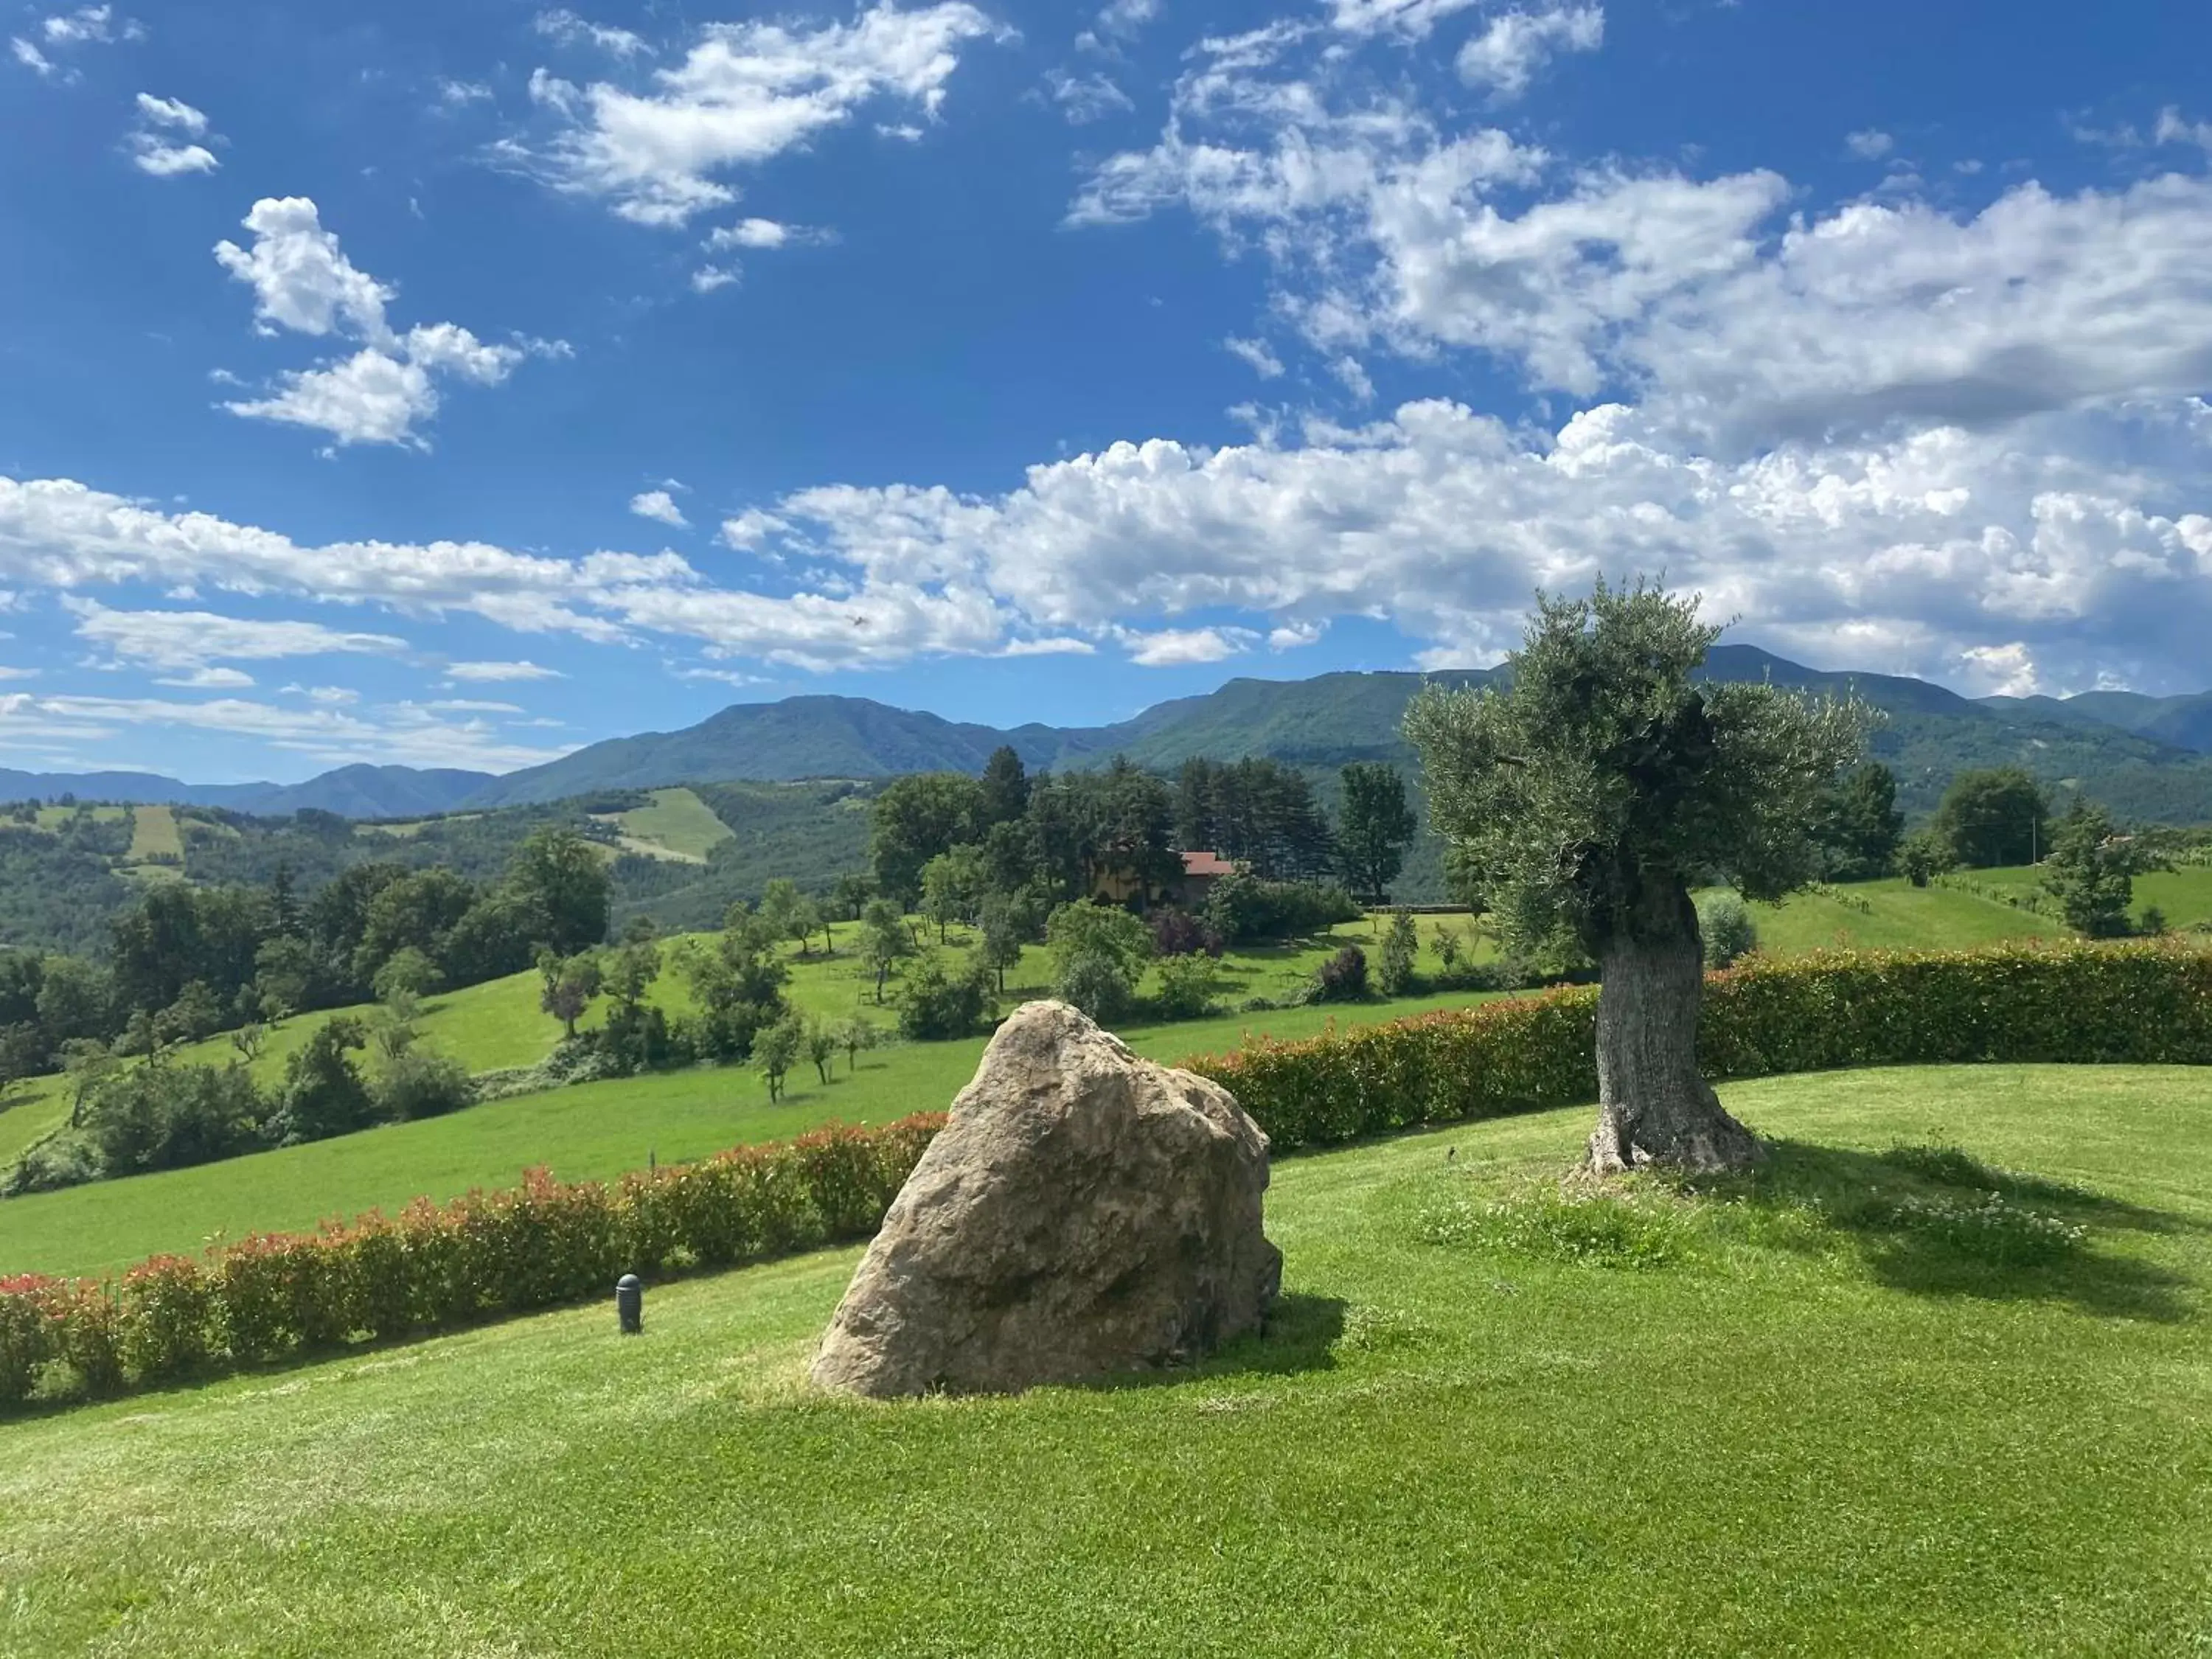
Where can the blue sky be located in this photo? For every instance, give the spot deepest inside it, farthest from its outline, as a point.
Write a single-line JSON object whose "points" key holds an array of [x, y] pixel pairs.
{"points": [[455, 385]]}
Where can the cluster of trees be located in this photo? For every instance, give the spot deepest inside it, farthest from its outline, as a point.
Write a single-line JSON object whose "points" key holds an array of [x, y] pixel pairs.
{"points": [[1989, 816], [1857, 825], [1020, 859], [185, 961], [1056, 837], [1259, 813], [1264, 815], [2000, 815]]}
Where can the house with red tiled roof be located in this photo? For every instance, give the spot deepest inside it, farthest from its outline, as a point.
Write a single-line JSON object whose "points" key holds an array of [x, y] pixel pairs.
{"points": [[1200, 872], [1117, 882]]}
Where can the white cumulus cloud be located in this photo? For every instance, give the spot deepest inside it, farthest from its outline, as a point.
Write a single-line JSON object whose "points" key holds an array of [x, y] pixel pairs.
{"points": [[303, 281], [1507, 56], [660, 505], [745, 94]]}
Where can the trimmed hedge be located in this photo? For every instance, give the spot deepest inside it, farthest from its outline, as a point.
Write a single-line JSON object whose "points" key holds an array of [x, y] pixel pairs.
{"points": [[2145, 1003], [442, 1267]]}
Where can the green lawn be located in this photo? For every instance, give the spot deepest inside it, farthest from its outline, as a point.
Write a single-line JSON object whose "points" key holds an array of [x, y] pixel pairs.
{"points": [[591, 1131], [1794, 1437]]}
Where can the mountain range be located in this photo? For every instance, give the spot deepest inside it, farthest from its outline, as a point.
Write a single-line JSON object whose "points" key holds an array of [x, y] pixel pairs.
{"points": [[2146, 758]]}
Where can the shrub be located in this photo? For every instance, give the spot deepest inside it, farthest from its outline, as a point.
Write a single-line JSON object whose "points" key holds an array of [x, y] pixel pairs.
{"points": [[323, 1094], [1343, 977], [159, 1115], [1725, 925], [420, 1082], [26, 1336], [1084, 929], [1100, 985], [1243, 908], [63, 1159], [408, 972], [86, 1334], [1401, 945], [2075, 1002], [167, 1308], [1924, 854], [1187, 983], [1176, 933], [937, 1002]]}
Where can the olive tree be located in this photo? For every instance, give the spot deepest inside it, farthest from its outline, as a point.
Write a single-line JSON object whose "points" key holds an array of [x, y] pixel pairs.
{"points": [[1589, 798]]}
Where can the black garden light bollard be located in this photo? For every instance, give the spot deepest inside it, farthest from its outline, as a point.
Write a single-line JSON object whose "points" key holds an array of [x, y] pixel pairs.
{"points": [[630, 1304]]}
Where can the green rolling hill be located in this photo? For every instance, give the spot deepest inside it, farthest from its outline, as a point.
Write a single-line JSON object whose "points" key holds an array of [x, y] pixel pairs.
{"points": [[1929, 734]]}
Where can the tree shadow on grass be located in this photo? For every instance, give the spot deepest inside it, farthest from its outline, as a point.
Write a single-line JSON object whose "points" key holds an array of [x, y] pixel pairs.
{"points": [[1300, 1334], [1935, 1221]]}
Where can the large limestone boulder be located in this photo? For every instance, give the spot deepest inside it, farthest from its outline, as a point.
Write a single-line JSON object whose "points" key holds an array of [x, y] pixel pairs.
{"points": [[1084, 1212]]}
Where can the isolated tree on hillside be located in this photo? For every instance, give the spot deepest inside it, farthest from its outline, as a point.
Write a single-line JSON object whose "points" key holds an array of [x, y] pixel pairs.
{"points": [[821, 1046], [849, 894], [789, 914], [567, 984], [561, 880], [2092, 869], [952, 884], [1595, 794], [1377, 826], [1996, 817], [1004, 921], [777, 1049], [884, 939]]}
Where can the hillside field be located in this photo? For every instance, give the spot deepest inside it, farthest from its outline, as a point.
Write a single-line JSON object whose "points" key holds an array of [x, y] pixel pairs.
{"points": [[2183, 895], [1787, 1431], [676, 824]]}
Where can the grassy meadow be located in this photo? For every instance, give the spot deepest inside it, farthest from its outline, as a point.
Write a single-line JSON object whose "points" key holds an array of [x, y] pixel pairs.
{"points": [[2183, 896], [1773, 1418], [675, 825], [153, 834]]}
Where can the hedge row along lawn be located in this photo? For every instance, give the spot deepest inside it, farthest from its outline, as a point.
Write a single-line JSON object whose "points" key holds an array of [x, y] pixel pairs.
{"points": [[2145, 1002], [275, 1296], [1814, 1414]]}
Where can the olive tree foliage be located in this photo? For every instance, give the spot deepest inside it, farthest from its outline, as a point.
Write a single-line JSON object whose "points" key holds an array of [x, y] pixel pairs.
{"points": [[1589, 798]]}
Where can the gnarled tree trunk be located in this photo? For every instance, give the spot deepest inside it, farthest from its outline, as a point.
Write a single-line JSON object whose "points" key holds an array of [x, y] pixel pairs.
{"points": [[1654, 1106]]}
